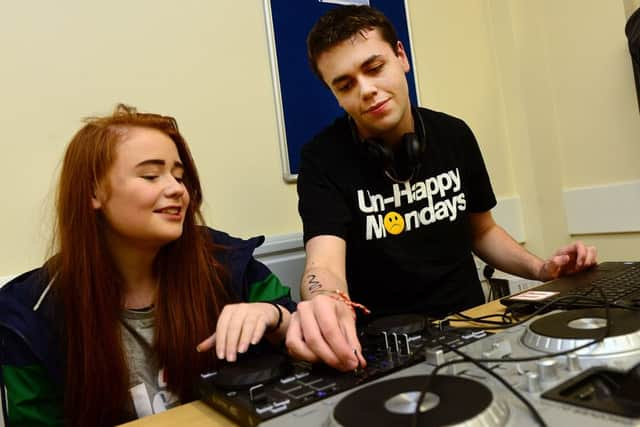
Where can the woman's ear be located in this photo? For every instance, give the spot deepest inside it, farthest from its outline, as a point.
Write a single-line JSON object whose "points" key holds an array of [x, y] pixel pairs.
{"points": [[95, 203], [97, 198]]}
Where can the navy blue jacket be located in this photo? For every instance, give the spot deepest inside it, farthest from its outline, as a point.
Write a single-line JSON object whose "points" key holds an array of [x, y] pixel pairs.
{"points": [[32, 357]]}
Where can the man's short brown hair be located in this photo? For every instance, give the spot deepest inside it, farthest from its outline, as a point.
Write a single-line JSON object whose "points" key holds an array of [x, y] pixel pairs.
{"points": [[342, 23]]}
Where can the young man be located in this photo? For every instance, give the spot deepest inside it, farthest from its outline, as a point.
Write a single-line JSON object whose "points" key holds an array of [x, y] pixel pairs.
{"points": [[394, 199]]}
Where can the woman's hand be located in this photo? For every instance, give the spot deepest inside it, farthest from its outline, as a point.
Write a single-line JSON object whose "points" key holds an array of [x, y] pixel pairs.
{"points": [[240, 325]]}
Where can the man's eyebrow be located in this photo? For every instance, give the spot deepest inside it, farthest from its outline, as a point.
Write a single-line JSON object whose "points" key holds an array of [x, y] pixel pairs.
{"points": [[370, 60], [365, 64], [339, 79]]}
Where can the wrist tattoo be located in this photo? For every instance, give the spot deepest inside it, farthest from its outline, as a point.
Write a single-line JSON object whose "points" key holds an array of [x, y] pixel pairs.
{"points": [[313, 285]]}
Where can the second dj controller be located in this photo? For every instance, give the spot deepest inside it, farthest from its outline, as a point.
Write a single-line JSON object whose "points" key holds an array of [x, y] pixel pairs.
{"points": [[591, 386]]}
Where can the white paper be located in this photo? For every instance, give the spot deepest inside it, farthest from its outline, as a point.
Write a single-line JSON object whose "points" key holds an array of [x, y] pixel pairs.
{"points": [[534, 295]]}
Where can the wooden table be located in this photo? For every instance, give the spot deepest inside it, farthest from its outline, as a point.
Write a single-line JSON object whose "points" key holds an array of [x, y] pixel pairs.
{"points": [[198, 414]]}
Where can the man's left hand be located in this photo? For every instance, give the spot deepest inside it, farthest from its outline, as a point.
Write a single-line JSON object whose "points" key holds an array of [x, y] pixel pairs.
{"points": [[568, 260]]}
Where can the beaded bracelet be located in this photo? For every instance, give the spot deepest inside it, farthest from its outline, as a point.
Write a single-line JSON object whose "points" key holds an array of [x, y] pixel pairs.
{"points": [[339, 295], [279, 322]]}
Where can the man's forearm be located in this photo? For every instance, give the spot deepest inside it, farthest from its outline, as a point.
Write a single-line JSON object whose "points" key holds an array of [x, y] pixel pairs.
{"points": [[496, 247]]}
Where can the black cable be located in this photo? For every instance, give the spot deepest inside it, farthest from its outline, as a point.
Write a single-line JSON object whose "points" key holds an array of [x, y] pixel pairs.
{"points": [[481, 319], [487, 272], [626, 307], [533, 358], [550, 304], [477, 362]]}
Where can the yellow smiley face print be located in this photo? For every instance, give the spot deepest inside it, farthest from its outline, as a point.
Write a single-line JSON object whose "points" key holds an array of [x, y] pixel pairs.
{"points": [[394, 223]]}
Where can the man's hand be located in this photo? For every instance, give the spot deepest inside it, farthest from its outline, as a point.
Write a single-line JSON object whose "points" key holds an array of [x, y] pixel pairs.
{"points": [[568, 260], [324, 329]]}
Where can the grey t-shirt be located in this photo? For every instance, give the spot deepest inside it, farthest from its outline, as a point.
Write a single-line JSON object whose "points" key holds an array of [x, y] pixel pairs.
{"points": [[147, 385]]}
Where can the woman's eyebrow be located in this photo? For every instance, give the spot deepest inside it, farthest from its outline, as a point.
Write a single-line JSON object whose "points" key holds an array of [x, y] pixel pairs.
{"points": [[159, 162]]}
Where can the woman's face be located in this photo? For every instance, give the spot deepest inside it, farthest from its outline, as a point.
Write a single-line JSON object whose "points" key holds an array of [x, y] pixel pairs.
{"points": [[142, 197]]}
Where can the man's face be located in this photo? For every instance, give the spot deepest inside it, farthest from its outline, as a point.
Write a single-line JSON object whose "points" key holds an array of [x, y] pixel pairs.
{"points": [[368, 79]]}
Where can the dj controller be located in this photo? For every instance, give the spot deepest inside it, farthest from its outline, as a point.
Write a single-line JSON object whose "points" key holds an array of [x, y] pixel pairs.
{"points": [[595, 380]]}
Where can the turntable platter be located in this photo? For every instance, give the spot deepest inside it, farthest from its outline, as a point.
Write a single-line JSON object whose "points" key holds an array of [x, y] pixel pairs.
{"points": [[570, 329], [250, 371], [393, 402]]}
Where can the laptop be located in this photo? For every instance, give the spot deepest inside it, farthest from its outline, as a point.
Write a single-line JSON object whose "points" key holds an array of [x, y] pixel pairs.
{"points": [[619, 281]]}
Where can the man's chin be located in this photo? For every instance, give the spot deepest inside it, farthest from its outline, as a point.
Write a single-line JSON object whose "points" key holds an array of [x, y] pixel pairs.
{"points": [[381, 125]]}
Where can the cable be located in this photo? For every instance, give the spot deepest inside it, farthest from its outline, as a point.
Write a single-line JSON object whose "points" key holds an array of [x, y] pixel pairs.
{"points": [[478, 362], [481, 319], [487, 272], [548, 305]]}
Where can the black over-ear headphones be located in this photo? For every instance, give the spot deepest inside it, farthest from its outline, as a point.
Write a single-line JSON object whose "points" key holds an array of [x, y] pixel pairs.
{"points": [[401, 161]]}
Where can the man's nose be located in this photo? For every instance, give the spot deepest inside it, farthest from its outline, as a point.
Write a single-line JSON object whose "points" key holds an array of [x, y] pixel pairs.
{"points": [[368, 88]]}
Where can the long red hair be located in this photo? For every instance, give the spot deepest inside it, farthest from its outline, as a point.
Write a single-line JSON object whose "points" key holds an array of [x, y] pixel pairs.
{"points": [[88, 286]]}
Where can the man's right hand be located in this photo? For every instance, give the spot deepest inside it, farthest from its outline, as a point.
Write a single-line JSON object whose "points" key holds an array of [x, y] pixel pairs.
{"points": [[324, 329]]}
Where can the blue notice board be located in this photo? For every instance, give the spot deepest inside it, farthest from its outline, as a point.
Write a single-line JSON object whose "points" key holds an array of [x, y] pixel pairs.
{"points": [[304, 106]]}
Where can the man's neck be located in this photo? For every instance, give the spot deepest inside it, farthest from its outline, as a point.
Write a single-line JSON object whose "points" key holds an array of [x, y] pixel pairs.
{"points": [[404, 126]]}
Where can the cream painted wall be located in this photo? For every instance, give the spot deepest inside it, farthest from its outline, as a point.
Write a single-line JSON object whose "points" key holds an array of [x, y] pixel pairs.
{"points": [[595, 104], [546, 86], [580, 112], [452, 47], [631, 6], [595, 115], [204, 62]]}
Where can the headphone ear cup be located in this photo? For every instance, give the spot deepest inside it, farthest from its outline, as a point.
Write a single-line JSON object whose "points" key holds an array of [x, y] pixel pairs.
{"points": [[378, 152], [375, 150], [414, 149], [408, 156]]}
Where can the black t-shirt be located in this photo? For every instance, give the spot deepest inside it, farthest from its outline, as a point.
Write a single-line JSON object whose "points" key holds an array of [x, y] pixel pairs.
{"points": [[408, 244]]}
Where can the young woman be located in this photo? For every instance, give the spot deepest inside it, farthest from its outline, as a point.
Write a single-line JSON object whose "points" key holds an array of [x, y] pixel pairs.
{"points": [[118, 323]]}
